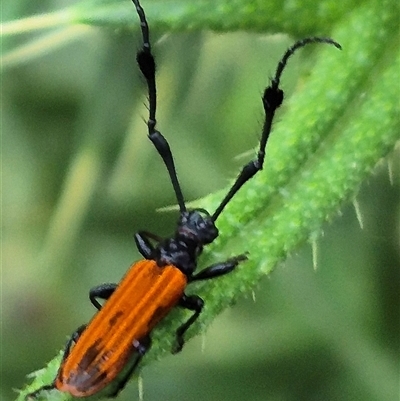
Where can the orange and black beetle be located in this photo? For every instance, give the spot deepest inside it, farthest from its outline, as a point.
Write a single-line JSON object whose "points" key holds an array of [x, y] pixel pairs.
{"points": [[98, 352]]}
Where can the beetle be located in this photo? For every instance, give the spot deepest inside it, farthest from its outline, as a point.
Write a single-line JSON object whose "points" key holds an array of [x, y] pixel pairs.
{"points": [[97, 353]]}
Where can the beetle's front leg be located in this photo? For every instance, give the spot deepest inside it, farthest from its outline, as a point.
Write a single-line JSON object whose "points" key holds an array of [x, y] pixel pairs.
{"points": [[218, 269], [143, 244]]}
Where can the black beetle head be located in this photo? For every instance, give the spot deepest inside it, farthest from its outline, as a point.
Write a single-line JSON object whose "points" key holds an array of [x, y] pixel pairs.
{"points": [[197, 225]]}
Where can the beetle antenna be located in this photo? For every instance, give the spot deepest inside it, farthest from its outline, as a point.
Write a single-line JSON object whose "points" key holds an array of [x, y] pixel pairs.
{"points": [[272, 99], [147, 66]]}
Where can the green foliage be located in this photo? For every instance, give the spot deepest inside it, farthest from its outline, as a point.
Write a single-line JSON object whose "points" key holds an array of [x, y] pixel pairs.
{"points": [[342, 119]]}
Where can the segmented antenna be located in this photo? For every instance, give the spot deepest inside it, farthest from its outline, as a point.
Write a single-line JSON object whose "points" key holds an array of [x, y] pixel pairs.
{"points": [[272, 99], [292, 49], [147, 66]]}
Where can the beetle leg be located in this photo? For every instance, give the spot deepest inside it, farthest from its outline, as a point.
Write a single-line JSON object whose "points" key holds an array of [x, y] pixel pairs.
{"points": [[193, 303], [73, 339], [102, 291], [150, 235], [218, 269], [141, 347], [47, 387], [143, 244]]}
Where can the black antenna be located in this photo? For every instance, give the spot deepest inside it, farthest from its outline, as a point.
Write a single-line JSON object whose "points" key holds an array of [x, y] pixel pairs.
{"points": [[272, 99], [147, 66]]}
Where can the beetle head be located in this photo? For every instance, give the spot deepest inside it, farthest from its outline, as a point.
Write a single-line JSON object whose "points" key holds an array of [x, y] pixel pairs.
{"points": [[197, 225]]}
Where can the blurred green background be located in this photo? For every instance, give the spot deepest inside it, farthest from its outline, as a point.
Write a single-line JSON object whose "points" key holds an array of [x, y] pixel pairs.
{"points": [[80, 178]]}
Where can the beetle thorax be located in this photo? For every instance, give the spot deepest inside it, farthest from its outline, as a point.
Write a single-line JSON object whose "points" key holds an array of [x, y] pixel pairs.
{"points": [[195, 229]]}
